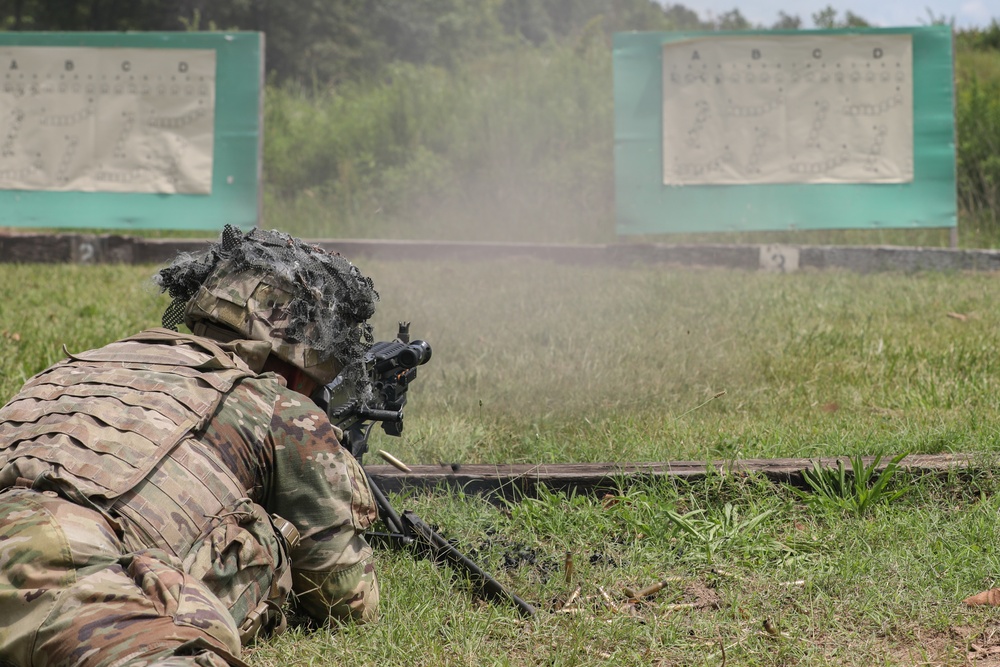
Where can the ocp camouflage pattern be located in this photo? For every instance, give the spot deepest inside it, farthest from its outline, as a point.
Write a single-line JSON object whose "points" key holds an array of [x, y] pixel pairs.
{"points": [[258, 306], [186, 555], [69, 595]]}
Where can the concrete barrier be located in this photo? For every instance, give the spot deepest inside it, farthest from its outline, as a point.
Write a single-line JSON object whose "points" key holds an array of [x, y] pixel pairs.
{"points": [[93, 249]]}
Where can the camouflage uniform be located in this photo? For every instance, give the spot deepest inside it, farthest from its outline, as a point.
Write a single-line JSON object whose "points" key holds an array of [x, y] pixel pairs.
{"points": [[133, 486]]}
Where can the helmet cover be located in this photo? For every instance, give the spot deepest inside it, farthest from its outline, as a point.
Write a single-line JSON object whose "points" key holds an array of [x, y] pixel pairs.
{"points": [[312, 306]]}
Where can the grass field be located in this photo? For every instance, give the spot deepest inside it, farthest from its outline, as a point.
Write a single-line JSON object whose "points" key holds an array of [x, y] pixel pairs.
{"points": [[535, 362]]}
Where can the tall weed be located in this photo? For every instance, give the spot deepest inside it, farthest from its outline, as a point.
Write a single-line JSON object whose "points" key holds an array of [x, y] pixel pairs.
{"points": [[515, 146], [978, 150], [857, 490]]}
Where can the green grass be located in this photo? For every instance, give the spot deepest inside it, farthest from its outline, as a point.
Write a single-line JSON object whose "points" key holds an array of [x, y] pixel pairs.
{"points": [[541, 363], [537, 362], [838, 589]]}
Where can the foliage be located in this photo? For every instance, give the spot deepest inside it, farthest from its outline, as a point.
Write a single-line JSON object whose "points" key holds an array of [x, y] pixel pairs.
{"points": [[715, 532], [982, 39], [516, 144], [522, 137], [827, 19], [787, 22], [477, 119], [858, 490], [977, 116], [334, 41], [516, 147], [95, 15]]}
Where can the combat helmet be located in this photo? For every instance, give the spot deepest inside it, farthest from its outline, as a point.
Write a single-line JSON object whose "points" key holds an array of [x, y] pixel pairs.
{"points": [[311, 305]]}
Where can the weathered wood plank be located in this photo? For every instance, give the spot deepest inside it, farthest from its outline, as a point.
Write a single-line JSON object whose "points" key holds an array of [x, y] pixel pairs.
{"points": [[518, 480]]}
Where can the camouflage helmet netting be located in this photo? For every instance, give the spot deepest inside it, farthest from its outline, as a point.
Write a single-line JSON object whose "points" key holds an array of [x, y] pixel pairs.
{"points": [[330, 300]]}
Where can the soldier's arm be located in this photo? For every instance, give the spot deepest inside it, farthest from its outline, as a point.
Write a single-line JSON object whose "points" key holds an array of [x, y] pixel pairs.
{"points": [[318, 486]]}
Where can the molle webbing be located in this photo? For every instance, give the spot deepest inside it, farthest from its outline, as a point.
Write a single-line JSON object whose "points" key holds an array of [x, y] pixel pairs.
{"points": [[179, 501], [107, 417]]}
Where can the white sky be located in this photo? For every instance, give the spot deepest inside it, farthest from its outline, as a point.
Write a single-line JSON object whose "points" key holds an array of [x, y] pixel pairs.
{"points": [[883, 13]]}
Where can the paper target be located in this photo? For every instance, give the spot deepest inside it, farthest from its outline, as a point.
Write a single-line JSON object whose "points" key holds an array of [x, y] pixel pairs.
{"points": [[788, 109], [107, 119]]}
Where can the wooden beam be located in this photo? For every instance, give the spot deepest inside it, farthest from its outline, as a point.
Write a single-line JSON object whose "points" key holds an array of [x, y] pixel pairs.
{"points": [[523, 480]]}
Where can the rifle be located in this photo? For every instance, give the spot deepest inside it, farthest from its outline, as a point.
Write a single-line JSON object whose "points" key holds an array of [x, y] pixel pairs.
{"points": [[392, 366]]}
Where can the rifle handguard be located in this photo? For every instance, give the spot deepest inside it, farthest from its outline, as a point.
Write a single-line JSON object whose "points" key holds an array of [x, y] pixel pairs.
{"points": [[379, 415]]}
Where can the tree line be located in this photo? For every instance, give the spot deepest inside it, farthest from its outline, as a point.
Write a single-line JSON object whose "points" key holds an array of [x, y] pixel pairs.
{"points": [[330, 41], [444, 117]]}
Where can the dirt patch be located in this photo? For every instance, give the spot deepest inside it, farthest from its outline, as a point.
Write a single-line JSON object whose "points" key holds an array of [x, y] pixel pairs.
{"points": [[701, 595], [959, 645]]}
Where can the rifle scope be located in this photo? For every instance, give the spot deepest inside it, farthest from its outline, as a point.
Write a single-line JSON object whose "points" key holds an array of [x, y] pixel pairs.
{"points": [[395, 354]]}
